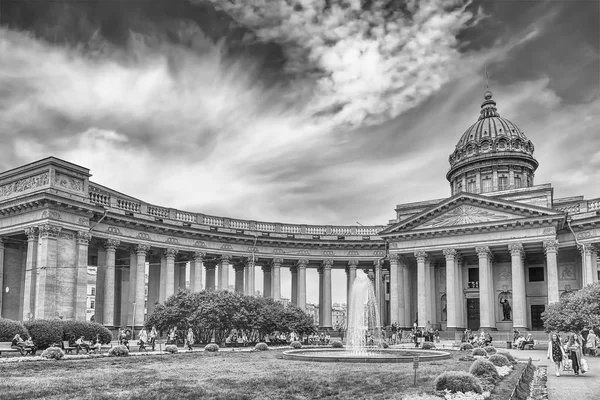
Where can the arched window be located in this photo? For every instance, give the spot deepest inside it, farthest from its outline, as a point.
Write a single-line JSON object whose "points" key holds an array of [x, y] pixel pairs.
{"points": [[486, 184]]}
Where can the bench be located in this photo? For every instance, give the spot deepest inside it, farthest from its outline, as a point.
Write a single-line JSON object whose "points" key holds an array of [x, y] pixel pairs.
{"points": [[531, 344], [6, 347], [68, 349]]}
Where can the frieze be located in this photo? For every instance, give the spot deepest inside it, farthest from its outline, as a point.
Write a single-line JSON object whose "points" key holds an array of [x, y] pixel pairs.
{"points": [[226, 247], [304, 253], [172, 240], [51, 214], [583, 235], [253, 249], [549, 231], [278, 251], [353, 253], [379, 253], [465, 215], [199, 243], [83, 221], [68, 182], [67, 236], [114, 230], [24, 184], [328, 253], [143, 236], [566, 273]]}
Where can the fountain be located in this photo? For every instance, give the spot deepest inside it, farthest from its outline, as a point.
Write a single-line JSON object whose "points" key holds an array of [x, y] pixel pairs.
{"points": [[364, 340]]}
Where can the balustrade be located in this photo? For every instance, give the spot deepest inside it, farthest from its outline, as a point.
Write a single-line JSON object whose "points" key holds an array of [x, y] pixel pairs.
{"points": [[290, 228], [315, 230], [128, 205], [158, 212], [214, 221], [265, 226], [237, 224], [185, 217]]}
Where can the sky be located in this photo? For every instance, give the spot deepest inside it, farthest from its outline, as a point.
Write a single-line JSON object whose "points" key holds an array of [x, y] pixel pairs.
{"points": [[303, 111]]}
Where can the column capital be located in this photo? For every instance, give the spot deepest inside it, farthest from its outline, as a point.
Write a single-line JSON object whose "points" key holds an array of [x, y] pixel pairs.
{"points": [[198, 256], [293, 269], [31, 232], [276, 262], [142, 249], [210, 264], [393, 257], [225, 257], [421, 256], [239, 266], [377, 264], [450, 253], [266, 268], [353, 263], [1, 243], [550, 246], [327, 263], [84, 238], [111, 244], [302, 263], [594, 249], [516, 249], [171, 252], [250, 261], [483, 252], [49, 231]]}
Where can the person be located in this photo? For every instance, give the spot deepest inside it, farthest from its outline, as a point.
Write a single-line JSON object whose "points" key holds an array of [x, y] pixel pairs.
{"points": [[19, 344], [516, 335], [120, 336], [488, 339], [30, 346], [506, 309], [555, 352], [590, 346], [143, 339], [583, 335], [152, 336], [96, 346], [190, 339], [573, 348], [173, 336], [82, 345]]}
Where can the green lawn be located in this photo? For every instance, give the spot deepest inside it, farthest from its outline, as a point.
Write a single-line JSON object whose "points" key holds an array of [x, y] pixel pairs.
{"points": [[226, 375]]}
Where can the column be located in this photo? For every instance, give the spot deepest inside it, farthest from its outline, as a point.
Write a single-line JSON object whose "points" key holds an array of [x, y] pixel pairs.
{"points": [[47, 262], [224, 277], [460, 299], [196, 271], [100, 285], [80, 294], [1, 273], [587, 272], [429, 295], [154, 285], [182, 276], [210, 275], [377, 266], [130, 300], [327, 264], [421, 256], [276, 279], [551, 250], [294, 284], [141, 251], [352, 264], [519, 306], [239, 277], [124, 296], [301, 292], [321, 312], [486, 307], [162, 293], [404, 284], [451, 294], [108, 317], [170, 255], [594, 263], [30, 273], [266, 280], [250, 281], [395, 292]]}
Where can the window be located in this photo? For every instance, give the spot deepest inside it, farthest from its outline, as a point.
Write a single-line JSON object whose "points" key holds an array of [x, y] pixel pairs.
{"points": [[517, 181], [459, 187], [93, 292], [92, 304], [486, 184], [473, 278], [502, 182], [536, 274], [471, 186]]}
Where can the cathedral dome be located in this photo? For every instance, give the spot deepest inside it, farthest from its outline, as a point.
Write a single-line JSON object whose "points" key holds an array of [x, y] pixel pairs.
{"points": [[493, 143]]}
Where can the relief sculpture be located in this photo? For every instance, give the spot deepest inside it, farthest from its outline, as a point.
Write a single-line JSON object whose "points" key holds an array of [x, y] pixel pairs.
{"points": [[24, 184], [68, 182]]}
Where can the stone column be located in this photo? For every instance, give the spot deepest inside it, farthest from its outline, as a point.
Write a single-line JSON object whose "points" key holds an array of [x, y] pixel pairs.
{"points": [[551, 250], [154, 285], [1, 273], [128, 306], [239, 277], [250, 281], [460, 300], [276, 279], [162, 293], [80, 293], [196, 271], [395, 290], [486, 313], [301, 292], [587, 273], [210, 275], [30, 273], [321, 302], [404, 284], [352, 264], [429, 293], [266, 280], [294, 284], [327, 322], [109, 283], [182, 276], [519, 305], [140, 284], [594, 263], [451, 295], [421, 256], [224, 278], [170, 254], [377, 267], [47, 263]]}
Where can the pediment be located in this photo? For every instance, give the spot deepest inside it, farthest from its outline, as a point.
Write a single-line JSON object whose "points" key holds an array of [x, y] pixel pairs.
{"points": [[468, 209]]}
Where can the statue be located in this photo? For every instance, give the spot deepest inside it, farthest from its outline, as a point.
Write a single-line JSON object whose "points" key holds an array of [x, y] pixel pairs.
{"points": [[506, 309]]}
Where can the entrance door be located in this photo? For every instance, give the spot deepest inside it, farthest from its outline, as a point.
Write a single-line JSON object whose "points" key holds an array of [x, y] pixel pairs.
{"points": [[536, 317], [473, 314]]}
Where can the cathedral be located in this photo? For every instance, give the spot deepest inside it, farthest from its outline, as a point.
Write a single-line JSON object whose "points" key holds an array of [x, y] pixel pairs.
{"points": [[493, 255]]}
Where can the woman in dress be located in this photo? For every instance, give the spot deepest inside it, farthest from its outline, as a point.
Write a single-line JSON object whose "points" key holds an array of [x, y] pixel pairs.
{"points": [[556, 352], [574, 351], [190, 339], [152, 336]]}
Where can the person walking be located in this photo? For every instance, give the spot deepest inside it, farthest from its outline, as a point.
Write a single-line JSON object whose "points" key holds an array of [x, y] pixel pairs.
{"points": [[152, 337], [556, 352], [574, 350], [143, 339], [590, 345], [190, 339]]}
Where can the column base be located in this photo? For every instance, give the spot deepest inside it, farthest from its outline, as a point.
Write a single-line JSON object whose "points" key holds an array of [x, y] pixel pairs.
{"points": [[453, 329]]}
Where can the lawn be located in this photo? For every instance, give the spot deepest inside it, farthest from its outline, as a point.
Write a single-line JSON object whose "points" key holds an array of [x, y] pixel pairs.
{"points": [[226, 375]]}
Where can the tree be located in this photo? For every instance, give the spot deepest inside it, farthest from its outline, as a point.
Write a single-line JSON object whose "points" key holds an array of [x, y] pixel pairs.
{"points": [[574, 311]]}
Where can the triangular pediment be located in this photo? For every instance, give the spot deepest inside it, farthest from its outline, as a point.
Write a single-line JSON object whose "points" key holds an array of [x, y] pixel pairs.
{"points": [[470, 209]]}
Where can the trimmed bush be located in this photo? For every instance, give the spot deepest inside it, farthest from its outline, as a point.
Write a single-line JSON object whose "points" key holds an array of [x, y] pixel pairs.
{"points": [[118, 351], [466, 346], [484, 369], [511, 359], [385, 345], [427, 346], [171, 348], [337, 345], [490, 350], [479, 352], [45, 332], [296, 345], [212, 347], [467, 358], [261, 346], [53, 353], [457, 381], [87, 329], [499, 360], [9, 328]]}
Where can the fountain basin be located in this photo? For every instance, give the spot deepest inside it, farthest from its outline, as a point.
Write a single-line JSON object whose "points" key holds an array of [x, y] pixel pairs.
{"points": [[372, 355]]}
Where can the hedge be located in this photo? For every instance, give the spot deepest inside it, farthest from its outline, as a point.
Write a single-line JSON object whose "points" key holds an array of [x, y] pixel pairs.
{"points": [[296, 345], [479, 352], [337, 345], [212, 347], [457, 381], [45, 332], [508, 356], [499, 360], [490, 350], [9, 328], [87, 329], [171, 348], [53, 353], [466, 346], [118, 351], [261, 346], [484, 369]]}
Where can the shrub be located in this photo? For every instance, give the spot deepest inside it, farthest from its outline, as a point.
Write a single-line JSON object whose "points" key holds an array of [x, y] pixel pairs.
{"points": [[118, 351], [212, 347], [87, 329], [337, 345], [479, 352], [427, 346], [508, 356], [45, 332], [385, 345], [490, 350], [467, 358], [9, 328], [466, 346], [484, 369], [171, 348], [53, 353], [296, 345], [499, 360], [457, 381], [261, 346]]}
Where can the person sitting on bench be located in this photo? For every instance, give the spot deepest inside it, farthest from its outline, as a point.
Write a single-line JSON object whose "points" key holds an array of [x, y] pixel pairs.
{"points": [[96, 346], [528, 341], [19, 344], [82, 345], [30, 346]]}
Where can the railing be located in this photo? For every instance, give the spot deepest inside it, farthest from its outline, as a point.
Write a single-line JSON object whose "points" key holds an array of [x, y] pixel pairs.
{"points": [[316, 230], [594, 205], [214, 221], [473, 285], [99, 198], [291, 228], [237, 224], [572, 209], [158, 212], [128, 205], [185, 217], [265, 227], [339, 230]]}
